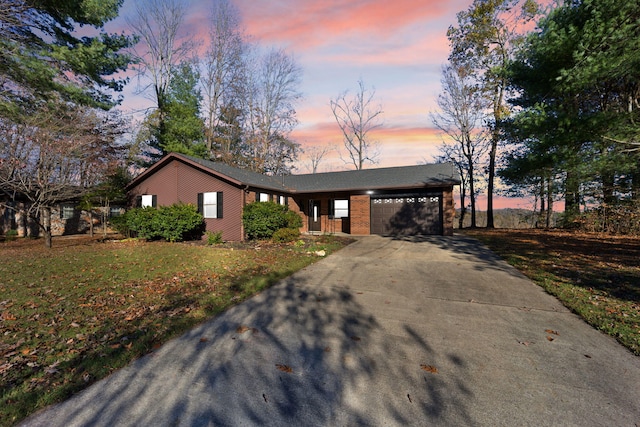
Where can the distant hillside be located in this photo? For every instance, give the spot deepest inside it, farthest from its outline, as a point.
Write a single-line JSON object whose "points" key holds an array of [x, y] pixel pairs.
{"points": [[507, 218]]}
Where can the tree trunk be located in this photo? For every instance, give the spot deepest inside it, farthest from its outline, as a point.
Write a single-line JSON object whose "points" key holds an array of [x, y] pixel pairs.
{"points": [[91, 222], [492, 174], [463, 207], [571, 199], [46, 227], [549, 201], [472, 195], [543, 200]]}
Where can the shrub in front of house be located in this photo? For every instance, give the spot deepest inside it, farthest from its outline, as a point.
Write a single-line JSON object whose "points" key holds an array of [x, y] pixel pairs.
{"points": [[262, 219], [294, 221], [173, 223], [286, 235]]}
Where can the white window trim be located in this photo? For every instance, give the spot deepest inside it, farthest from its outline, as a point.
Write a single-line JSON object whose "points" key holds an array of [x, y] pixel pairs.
{"points": [[210, 204]]}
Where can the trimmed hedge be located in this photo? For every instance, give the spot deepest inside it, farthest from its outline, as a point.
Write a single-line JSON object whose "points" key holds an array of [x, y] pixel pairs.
{"points": [[173, 223]]}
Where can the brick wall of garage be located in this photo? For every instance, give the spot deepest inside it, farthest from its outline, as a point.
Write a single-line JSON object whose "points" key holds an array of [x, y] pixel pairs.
{"points": [[360, 211], [449, 212]]}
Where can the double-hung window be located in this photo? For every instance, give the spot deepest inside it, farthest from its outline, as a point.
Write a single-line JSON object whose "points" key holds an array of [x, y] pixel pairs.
{"points": [[210, 204], [339, 208]]}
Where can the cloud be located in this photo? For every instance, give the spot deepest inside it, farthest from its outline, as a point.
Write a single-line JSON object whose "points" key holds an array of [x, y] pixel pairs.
{"points": [[309, 24]]}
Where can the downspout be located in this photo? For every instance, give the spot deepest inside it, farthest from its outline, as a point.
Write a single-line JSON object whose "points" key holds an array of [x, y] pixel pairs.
{"points": [[245, 191]]}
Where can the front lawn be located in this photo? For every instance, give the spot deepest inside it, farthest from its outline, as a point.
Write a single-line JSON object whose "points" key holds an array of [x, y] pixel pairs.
{"points": [[75, 313], [596, 276]]}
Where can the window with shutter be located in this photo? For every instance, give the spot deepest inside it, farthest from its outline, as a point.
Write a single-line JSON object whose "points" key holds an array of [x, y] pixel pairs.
{"points": [[210, 204]]}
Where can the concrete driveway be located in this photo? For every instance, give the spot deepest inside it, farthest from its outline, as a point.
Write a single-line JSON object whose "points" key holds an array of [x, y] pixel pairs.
{"points": [[384, 332]]}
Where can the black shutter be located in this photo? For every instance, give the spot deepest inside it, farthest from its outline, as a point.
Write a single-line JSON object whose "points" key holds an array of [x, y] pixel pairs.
{"points": [[201, 203], [138, 201], [332, 208], [154, 201], [219, 204]]}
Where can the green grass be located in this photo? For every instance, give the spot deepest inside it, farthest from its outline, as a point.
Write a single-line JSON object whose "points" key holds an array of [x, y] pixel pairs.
{"points": [[73, 314], [596, 276]]}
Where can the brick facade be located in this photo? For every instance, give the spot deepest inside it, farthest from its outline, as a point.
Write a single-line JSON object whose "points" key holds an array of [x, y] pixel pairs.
{"points": [[448, 212], [360, 211]]}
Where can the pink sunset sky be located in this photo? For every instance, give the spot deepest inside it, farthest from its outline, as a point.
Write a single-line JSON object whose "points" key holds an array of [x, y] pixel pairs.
{"points": [[397, 47]]}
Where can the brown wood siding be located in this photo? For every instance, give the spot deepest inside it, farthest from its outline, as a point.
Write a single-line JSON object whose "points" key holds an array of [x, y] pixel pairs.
{"points": [[179, 182]]}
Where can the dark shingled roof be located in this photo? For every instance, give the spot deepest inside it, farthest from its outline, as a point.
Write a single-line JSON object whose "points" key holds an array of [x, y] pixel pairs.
{"points": [[419, 176], [244, 176]]}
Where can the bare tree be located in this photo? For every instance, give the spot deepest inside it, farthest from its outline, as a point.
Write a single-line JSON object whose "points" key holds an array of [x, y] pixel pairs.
{"points": [[461, 118], [271, 93], [357, 116], [57, 155], [158, 24], [222, 73], [315, 155]]}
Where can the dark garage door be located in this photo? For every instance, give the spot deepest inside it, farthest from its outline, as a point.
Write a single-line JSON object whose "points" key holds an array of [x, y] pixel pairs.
{"points": [[406, 215]]}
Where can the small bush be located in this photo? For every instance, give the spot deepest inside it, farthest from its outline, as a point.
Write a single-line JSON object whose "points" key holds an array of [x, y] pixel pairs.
{"points": [[11, 235], [172, 223], [214, 238], [262, 219], [294, 220], [285, 235]]}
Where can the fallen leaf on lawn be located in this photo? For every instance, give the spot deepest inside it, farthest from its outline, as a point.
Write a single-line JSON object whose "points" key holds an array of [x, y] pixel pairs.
{"points": [[241, 329], [524, 342], [327, 349], [74, 325], [284, 368], [355, 338], [429, 368], [549, 338], [7, 316], [551, 331], [204, 339]]}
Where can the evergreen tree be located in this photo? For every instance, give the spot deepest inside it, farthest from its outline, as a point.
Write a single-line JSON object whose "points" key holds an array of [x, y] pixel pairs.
{"points": [[578, 99], [42, 57]]}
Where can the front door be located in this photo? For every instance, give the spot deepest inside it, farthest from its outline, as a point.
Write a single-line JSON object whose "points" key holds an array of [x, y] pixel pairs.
{"points": [[314, 215]]}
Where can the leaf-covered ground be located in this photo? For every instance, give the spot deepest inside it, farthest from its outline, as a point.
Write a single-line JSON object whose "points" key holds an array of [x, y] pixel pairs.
{"points": [[73, 314], [596, 276]]}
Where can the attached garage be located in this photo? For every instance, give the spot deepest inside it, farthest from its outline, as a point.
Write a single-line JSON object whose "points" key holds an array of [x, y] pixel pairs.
{"points": [[407, 215], [395, 201]]}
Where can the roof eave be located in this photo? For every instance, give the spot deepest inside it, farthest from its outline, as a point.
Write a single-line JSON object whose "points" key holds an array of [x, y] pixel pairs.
{"points": [[176, 156], [379, 187]]}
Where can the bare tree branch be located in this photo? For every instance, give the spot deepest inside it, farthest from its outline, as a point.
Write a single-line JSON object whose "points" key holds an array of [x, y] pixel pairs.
{"points": [[357, 117]]}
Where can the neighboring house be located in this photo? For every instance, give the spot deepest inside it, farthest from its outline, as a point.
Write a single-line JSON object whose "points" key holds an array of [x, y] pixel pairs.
{"points": [[400, 201], [66, 218]]}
